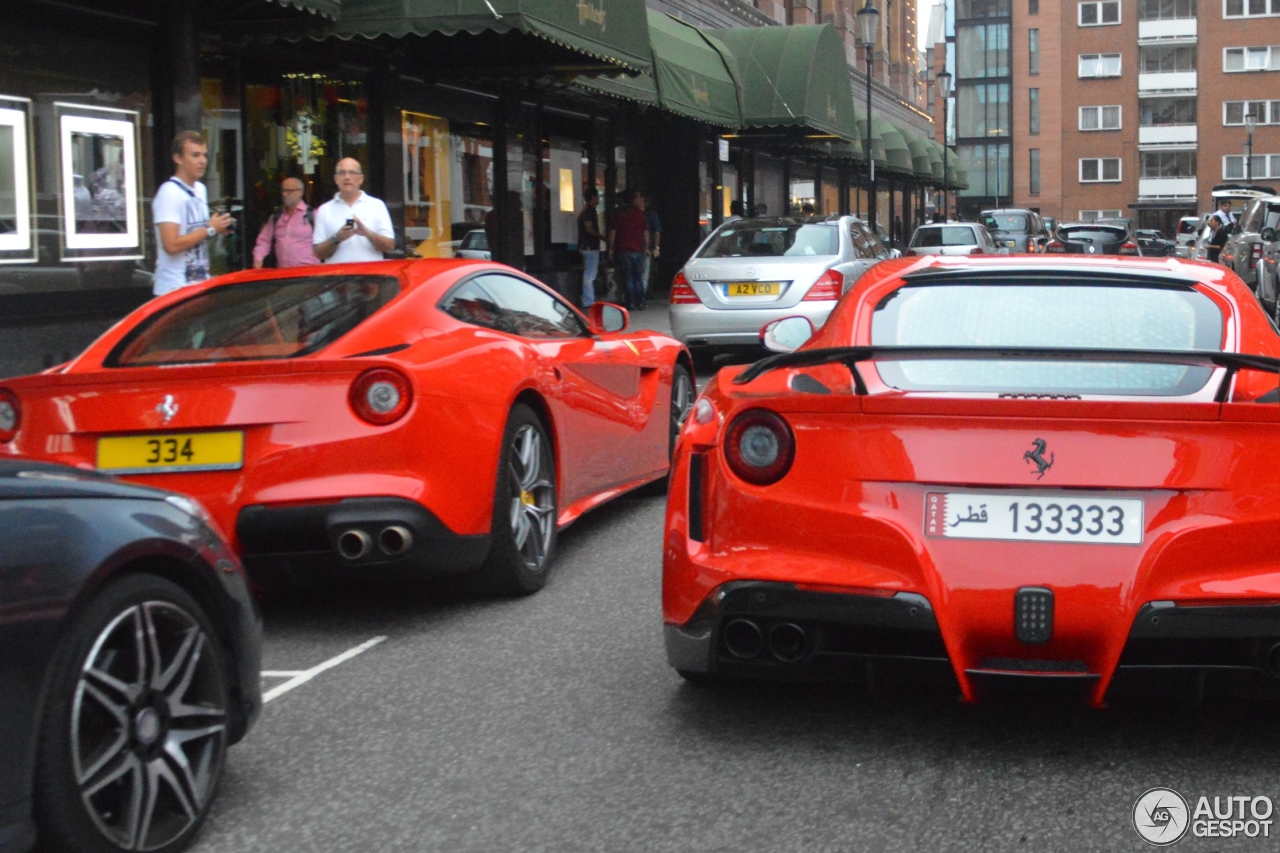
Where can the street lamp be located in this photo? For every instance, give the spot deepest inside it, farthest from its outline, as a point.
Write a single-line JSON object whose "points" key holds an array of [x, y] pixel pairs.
{"points": [[1250, 122], [944, 89], [869, 31]]}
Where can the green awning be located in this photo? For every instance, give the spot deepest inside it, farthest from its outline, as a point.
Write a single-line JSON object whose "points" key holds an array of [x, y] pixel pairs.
{"points": [[895, 146], [877, 141], [920, 159], [791, 77], [935, 159], [494, 37], [327, 8], [691, 77]]}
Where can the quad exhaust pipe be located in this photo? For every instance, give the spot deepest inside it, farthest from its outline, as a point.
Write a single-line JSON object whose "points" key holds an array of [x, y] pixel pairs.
{"points": [[393, 541]]}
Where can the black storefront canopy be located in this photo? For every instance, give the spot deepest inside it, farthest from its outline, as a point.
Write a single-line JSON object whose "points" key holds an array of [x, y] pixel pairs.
{"points": [[507, 38]]}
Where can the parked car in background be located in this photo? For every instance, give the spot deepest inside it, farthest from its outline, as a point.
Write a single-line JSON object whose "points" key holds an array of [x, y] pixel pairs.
{"points": [[1268, 286], [1019, 231], [474, 245], [1050, 225], [1094, 238], [1154, 244], [953, 238], [1188, 229], [1242, 253], [752, 271], [132, 651]]}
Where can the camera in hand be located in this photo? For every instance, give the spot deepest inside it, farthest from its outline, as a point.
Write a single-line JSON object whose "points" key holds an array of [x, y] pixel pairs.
{"points": [[230, 207]]}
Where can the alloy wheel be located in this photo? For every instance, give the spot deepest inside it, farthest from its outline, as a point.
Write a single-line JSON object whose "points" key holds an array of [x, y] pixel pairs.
{"points": [[533, 499], [148, 726], [682, 395]]}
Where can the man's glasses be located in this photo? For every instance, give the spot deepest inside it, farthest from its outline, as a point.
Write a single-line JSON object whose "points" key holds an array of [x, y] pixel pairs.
{"points": [[291, 190], [342, 172]]}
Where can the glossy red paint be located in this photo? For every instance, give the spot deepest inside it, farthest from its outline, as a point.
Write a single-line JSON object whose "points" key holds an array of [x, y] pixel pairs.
{"points": [[850, 513], [604, 397]]}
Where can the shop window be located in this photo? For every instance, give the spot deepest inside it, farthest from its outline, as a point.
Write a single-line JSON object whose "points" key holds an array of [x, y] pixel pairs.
{"points": [[16, 243], [98, 182], [448, 174]]}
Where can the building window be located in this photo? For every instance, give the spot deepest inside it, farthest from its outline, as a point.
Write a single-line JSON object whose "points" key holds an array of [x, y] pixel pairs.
{"points": [[1166, 10], [1035, 170], [1033, 111], [1100, 118], [966, 9], [1098, 13], [988, 167], [1095, 215], [982, 50], [1099, 65], [1264, 58], [1249, 8], [1033, 7], [1168, 164], [1099, 169], [983, 110], [1158, 112], [1264, 166], [1267, 112], [1165, 60], [1033, 51]]}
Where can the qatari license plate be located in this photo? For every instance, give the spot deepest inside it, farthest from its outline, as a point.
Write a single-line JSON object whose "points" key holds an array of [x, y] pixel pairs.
{"points": [[1094, 519]]}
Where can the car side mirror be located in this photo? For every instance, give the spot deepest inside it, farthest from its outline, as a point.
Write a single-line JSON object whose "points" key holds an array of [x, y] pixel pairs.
{"points": [[607, 317], [1268, 234], [787, 334]]}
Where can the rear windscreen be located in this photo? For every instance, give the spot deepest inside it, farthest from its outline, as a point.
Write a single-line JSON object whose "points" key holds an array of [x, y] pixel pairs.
{"points": [[273, 319], [1005, 221], [1187, 226], [772, 239], [947, 235], [1096, 316], [1094, 233]]}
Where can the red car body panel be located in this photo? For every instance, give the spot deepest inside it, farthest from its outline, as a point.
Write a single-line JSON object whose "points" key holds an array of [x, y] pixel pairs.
{"points": [[850, 514], [303, 442]]}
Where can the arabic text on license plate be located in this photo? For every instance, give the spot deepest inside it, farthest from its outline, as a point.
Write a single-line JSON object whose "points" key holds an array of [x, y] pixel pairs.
{"points": [[754, 288], [171, 452], [1082, 517]]}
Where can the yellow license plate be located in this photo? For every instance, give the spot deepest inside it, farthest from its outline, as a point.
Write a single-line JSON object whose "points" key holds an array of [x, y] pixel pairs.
{"points": [[755, 288], [171, 452]]}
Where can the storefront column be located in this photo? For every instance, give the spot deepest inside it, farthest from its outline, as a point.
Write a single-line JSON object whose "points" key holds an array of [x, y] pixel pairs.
{"points": [[717, 179], [786, 188], [503, 214], [844, 190], [176, 80], [817, 189], [888, 225], [749, 178]]}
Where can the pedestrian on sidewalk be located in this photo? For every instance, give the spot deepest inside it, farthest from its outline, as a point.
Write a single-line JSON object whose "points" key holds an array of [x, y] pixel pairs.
{"points": [[286, 239], [353, 226], [628, 237], [655, 240], [184, 224], [1221, 221], [589, 244]]}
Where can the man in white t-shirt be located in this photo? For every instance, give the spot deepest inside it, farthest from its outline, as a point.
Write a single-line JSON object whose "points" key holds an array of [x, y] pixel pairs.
{"points": [[184, 225], [353, 226]]}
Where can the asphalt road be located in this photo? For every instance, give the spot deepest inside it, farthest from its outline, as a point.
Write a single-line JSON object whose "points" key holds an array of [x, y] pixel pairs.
{"points": [[552, 723]]}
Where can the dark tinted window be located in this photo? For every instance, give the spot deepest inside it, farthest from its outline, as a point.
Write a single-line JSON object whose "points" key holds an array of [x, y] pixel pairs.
{"points": [[748, 238], [1041, 315], [278, 318], [1005, 221], [1094, 232]]}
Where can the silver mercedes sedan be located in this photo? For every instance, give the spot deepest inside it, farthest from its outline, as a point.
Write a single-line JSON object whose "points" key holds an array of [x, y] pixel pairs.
{"points": [[752, 271]]}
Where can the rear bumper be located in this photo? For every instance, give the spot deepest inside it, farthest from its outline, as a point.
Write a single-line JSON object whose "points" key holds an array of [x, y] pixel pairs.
{"points": [[378, 533], [699, 326], [802, 631]]}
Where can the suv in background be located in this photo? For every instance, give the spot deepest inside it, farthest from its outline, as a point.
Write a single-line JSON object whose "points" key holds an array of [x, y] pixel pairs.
{"points": [[1016, 230], [1185, 236], [1243, 250]]}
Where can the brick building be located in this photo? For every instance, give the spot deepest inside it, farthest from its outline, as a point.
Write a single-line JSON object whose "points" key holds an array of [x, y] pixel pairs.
{"points": [[1115, 107]]}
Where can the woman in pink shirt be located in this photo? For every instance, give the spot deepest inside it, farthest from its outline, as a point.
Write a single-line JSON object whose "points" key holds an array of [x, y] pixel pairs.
{"points": [[287, 233]]}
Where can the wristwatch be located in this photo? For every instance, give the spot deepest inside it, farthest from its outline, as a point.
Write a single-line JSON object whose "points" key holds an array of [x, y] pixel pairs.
{"points": [[211, 231]]}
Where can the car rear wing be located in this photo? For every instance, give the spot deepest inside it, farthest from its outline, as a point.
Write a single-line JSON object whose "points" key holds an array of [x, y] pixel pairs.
{"points": [[850, 356]]}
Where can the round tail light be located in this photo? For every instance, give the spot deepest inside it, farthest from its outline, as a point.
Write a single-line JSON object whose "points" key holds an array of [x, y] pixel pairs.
{"points": [[381, 396], [10, 415], [759, 447]]}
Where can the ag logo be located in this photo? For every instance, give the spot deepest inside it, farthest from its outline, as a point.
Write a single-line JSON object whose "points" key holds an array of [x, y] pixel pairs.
{"points": [[1161, 817]]}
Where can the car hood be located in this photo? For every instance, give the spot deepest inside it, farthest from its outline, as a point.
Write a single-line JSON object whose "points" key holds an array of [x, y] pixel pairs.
{"points": [[23, 479]]}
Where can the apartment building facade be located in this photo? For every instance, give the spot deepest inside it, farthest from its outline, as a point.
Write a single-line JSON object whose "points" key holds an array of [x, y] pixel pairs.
{"points": [[1115, 107]]}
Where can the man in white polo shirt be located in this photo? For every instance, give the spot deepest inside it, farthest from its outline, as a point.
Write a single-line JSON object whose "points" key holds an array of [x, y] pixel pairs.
{"points": [[353, 226]]}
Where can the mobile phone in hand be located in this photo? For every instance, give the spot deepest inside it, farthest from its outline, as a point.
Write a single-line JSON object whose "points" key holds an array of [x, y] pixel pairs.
{"points": [[351, 223]]}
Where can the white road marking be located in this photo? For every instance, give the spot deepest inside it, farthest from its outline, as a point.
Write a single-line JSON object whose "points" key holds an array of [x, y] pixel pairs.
{"points": [[281, 673], [307, 674]]}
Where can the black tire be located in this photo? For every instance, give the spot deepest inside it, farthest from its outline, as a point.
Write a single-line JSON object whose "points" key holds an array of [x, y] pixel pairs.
{"points": [[115, 712], [524, 499], [704, 361]]}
